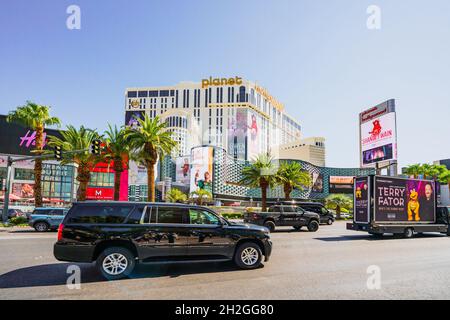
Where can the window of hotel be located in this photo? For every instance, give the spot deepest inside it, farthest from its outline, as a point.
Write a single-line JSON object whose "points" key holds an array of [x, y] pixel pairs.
{"points": [[101, 179], [132, 94], [142, 94], [153, 93], [241, 94], [23, 174]]}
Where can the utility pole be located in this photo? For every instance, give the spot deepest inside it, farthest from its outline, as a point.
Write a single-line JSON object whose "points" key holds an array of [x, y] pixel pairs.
{"points": [[7, 189]]}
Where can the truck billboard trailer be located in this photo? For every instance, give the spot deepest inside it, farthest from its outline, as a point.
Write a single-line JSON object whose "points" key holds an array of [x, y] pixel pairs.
{"points": [[397, 205]]}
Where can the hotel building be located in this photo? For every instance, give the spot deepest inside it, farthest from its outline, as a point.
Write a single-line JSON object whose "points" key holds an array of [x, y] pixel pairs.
{"points": [[231, 113]]}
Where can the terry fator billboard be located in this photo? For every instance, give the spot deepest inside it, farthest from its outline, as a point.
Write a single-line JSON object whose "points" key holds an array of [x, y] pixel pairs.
{"points": [[378, 135]]}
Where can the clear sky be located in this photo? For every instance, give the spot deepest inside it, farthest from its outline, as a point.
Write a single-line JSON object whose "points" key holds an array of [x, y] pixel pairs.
{"points": [[318, 57]]}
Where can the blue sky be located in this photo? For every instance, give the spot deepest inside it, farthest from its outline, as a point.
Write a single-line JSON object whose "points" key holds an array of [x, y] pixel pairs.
{"points": [[317, 57]]}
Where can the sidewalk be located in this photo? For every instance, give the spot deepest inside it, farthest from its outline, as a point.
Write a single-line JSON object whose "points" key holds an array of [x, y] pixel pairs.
{"points": [[15, 229]]}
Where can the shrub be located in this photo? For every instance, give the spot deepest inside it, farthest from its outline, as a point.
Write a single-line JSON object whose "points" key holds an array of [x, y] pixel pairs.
{"points": [[18, 220]]}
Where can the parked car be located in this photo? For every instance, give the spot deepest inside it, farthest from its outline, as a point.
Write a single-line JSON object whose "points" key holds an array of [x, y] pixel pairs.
{"points": [[325, 215], [45, 218], [13, 213], [284, 215], [117, 235]]}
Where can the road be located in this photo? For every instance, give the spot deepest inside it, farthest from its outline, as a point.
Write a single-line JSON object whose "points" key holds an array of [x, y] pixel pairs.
{"points": [[329, 264]]}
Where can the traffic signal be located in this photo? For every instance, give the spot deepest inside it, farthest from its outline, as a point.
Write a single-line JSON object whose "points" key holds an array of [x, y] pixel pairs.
{"points": [[95, 147], [58, 153]]}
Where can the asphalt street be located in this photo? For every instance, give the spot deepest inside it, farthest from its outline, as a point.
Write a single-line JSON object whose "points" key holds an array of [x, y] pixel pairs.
{"points": [[329, 264]]}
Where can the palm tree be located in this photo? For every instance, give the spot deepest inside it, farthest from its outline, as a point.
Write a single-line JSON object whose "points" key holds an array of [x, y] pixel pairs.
{"points": [[425, 170], [200, 195], [260, 174], [338, 202], [445, 178], [291, 175], [117, 150], [436, 170], [176, 196], [78, 139], [35, 117], [413, 170], [149, 141]]}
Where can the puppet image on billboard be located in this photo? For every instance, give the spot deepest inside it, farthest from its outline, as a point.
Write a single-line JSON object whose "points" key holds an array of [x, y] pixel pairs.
{"points": [[404, 200]]}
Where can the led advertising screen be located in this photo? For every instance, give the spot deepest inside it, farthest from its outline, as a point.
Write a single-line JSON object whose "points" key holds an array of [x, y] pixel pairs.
{"points": [[404, 200], [340, 184], [378, 139], [317, 182], [131, 117], [201, 169], [361, 199], [237, 134], [378, 136]]}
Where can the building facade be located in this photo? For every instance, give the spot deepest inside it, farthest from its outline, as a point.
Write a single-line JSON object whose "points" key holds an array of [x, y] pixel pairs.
{"points": [[310, 150], [231, 113]]}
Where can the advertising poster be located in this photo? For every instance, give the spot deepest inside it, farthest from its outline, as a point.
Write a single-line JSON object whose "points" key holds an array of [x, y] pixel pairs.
{"points": [[137, 173], [132, 116], [253, 135], [237, 134], [404, 200], [201, 169], [341, 184], [23, 190], [317, 182], [361, 199], [183, 169]]}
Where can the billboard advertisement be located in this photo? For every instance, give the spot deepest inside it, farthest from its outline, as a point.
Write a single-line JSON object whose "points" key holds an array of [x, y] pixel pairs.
{"points": [[131, 117], [237, 134], [183, 169], [361, 200], [378, 136], [201, 169], [23, 190], [137, 173], [340, 184], [404, 200], [317, 182], [253, 139]]}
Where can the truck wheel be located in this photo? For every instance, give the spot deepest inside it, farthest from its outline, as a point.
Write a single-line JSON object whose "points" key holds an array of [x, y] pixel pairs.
{"points": [[408, 233], [313, 226], [270, 225], [248, 256], [116, 263], [41, 226]]}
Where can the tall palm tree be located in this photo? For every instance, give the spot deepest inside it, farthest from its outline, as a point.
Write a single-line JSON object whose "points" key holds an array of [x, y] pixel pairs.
{"points": [[35, 117], [260, 174], [338, 202], [149, 141], [425, 170], [78, 139], [117, 150], [413, 170], [291, 175]]}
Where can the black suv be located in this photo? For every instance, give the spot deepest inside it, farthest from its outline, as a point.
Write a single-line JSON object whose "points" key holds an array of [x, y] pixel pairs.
{"points": [[325, 215], [117, 235], [284, 215]]}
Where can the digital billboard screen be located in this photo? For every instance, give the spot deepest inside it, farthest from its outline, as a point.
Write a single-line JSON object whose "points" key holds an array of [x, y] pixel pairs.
{"points": [[340, 184], [361, 199], [404, 200]]}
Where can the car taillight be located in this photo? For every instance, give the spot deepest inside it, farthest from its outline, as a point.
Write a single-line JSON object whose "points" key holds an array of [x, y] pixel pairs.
{"points": [[60, 231]]}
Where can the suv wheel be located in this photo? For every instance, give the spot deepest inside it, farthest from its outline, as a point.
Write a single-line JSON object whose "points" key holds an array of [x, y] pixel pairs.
{"points": [[248, 256], [41, 226], [313, 226], [330, 222], [270, 225], [116, 263]]}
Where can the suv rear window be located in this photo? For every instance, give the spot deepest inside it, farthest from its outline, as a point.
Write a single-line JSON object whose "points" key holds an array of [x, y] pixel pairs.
{"points": [[99, 214]]}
